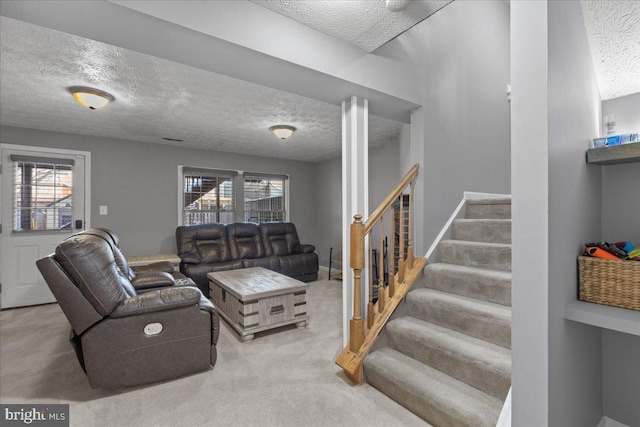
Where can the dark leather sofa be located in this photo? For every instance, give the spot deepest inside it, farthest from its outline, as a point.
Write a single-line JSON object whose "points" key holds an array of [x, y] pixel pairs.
{"points": [[126, 331], [208, 248]]}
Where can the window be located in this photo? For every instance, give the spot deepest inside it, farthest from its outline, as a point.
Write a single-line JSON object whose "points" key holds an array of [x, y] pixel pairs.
{"points": [[43, 193], [208, 196], [265, 197], [223, 196]]}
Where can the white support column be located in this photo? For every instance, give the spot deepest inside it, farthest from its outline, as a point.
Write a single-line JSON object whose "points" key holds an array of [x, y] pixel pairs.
{"points": [[355, 194], [417, 156]]}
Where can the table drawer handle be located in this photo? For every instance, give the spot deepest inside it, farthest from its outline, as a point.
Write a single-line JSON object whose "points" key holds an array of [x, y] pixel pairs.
{"points": [[276, 309]]}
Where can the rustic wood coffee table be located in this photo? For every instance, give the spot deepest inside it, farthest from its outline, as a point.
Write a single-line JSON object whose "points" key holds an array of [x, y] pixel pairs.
{"points": [[256, 299]]}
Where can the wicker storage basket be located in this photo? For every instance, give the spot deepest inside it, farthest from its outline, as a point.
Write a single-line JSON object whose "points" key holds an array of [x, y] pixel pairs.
{"points": [[610, 282]]}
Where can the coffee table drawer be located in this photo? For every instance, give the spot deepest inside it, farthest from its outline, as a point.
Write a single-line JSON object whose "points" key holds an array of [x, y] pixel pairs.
{"points": [[276, 309]]}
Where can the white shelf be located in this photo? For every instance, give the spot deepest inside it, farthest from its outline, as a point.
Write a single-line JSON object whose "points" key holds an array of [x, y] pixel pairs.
{"points": [[604, 316]]}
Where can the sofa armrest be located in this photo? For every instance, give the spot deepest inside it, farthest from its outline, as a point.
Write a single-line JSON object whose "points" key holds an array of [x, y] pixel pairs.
{"points": [[165, 266], [304, 249], [159, 300], [153, 279]]}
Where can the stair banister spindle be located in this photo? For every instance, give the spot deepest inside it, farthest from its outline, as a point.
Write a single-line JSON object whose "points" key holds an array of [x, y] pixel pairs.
{"points": [[356, 325], [401, 241], [370, 311], [391, 257], [381, 298], [410, 233]]}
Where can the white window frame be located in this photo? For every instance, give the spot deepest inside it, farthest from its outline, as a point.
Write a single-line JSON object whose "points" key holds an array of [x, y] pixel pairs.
{"points": [[238, 191], [218, 172], [285, 177]]}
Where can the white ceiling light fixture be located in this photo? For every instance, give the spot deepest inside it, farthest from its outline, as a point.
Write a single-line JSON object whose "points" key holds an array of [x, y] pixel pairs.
{"points": [[90, 97], [397, 5], [282, 131]]}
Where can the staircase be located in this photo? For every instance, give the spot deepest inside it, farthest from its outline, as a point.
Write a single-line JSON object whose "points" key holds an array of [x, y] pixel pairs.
{"points": [[448, 359]]}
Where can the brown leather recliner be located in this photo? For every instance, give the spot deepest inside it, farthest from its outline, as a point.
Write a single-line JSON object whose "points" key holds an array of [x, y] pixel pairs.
{"points": [[126, 335]]}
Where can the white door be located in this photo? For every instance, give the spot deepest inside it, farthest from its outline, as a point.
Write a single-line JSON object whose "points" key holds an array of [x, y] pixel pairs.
{"points": [[43, 199]]}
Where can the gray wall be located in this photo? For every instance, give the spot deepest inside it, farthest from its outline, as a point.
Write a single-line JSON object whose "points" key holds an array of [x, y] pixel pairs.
{"points": [[621, 377], [461, 58], [627, 112], [621, 352], [329, 203], [384, 174], [575, 350], [621, 202], [139, 184]]}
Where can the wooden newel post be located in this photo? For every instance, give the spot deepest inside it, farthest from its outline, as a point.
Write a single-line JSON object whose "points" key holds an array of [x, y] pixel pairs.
{"points": [[356, 325]]}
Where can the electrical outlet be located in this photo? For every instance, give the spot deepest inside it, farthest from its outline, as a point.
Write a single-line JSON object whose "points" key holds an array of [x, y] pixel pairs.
{"points": [[103, 210]]}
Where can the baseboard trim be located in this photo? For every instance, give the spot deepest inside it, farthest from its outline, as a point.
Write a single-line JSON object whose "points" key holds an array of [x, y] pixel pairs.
{"points": [[446, 230], [505, 414], [608, 422]]}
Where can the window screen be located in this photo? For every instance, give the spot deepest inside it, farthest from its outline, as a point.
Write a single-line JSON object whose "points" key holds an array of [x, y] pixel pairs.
{"points": [[43, 194], [265, 197], [208, 196]]}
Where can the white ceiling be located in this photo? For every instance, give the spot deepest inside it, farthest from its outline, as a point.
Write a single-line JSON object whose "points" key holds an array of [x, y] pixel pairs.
{"points": [[613, 29], [366, 24], [157, 98]]}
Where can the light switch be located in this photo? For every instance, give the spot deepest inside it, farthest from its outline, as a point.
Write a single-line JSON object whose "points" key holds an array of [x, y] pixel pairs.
{"points": [[103, 210]]}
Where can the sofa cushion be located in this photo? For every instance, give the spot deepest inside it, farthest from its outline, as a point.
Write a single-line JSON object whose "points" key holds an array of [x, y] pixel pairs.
{"points": [[299, 264], [245, 241], [204, 243], [198, 272], [279, 238], [271, 263]]}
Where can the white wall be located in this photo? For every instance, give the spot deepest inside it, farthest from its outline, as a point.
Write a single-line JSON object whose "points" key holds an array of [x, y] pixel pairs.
{"points": [[329, 207], [461, 58], [620, 204], [627, 113], [621, 377], [529, 214], [575, 350], [139, 184], [384, 175]]}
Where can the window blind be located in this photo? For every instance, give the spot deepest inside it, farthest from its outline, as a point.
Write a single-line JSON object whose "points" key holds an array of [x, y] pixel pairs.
{"points": [[265, 197], [208, 196]]}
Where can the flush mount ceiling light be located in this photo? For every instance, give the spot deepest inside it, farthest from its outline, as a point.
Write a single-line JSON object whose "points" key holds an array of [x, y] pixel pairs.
{"points": [[397, 5], [282, 131], [90, 97]]}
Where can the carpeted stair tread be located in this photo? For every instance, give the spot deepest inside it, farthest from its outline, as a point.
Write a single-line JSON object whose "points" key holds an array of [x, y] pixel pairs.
{"points": [[496, 208], [436, 397], [493, 256], [487, 321], [479, 283], [478, 363], [503, 200], [482, 230]]}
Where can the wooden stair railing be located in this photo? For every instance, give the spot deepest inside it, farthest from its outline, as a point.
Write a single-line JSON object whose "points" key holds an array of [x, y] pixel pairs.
{"points": [[402, 273]]}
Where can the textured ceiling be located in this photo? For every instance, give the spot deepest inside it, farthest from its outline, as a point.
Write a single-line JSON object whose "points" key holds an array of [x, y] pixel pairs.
{"points": [[367, 24], [157, 98], [613, 28]]}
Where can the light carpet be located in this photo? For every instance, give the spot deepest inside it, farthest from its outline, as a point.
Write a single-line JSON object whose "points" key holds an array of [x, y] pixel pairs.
{"points": [[284, 377]]}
